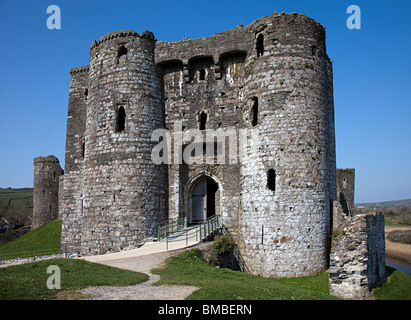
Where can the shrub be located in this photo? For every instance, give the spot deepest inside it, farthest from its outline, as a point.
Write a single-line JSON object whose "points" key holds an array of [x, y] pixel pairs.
{"points": [[403, 236], [222, 246], [405, 218]]}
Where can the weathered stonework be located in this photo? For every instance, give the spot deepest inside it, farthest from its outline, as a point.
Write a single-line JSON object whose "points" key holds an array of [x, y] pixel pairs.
{"points": [[344, 205], [47, 172], [357, 259], [270, 82]]}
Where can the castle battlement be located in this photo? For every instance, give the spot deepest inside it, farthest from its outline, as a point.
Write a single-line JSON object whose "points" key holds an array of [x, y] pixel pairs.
{"points": [[48, 159], [121, 34], [79, 69]]}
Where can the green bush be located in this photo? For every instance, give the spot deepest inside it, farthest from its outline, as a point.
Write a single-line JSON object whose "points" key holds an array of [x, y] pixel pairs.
{"points": [[222, 246]]}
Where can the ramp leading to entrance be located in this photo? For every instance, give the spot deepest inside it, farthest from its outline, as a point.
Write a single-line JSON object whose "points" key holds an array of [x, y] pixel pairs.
{"points": [[172, 240]]}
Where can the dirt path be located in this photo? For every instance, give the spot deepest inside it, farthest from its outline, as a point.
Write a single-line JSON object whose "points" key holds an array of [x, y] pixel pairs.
{"points": [[145, 290]]}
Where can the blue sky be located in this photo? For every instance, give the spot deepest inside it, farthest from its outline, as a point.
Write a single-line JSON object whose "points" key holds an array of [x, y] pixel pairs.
{"points": [[372, 72]]}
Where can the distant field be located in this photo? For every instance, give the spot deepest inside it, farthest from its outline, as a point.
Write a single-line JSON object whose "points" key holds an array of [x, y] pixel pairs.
{"points": [[386, 204], [397, 250], [16, 197]]}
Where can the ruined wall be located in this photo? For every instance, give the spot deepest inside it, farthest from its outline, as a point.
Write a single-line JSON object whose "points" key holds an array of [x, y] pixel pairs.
{"points": [[344, 205], [345, 189], [71, 194], [47, 172], [357, 259]]}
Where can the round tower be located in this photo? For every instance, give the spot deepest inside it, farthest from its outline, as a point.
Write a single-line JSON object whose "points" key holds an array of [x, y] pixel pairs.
{"points": [[47, 172], [124, 192], [288, 168]]}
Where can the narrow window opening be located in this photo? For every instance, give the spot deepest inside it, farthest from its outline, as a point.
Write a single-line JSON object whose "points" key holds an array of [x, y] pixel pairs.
{"points": [[260, 45], [85, 93], [120, 119], [254, 112], [122, 51], [202, 74], [271, 179], [313, 50], [82, 147], [203, 120]]}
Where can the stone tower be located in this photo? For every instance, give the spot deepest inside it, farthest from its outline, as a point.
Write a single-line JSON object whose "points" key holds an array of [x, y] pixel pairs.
{"points": [[47, 172], [121, 191], [124, 189], [289, 162]]}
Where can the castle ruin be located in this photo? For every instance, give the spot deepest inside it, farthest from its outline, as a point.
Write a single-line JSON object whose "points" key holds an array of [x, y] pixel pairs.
{"points": [[270, 83]]}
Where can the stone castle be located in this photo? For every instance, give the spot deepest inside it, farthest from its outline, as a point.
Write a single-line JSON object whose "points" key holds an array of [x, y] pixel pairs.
{"points": [[271, 82]]}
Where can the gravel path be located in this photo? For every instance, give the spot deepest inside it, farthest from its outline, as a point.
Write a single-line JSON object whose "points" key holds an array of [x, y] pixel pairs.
{"points": [[145, 290]]}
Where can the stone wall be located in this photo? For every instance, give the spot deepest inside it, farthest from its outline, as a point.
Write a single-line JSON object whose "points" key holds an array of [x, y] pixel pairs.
{"points": [[47, 172], [357, 259]]}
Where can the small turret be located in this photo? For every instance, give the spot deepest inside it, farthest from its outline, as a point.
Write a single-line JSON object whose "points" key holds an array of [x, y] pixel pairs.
{"points": [[47, 172]]}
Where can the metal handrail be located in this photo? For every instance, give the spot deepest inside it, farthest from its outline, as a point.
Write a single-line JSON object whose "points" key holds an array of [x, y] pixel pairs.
{"points": [[170, 226]]}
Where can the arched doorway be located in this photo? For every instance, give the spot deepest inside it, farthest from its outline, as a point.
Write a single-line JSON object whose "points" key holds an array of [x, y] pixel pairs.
{"points": [[204, 200]]}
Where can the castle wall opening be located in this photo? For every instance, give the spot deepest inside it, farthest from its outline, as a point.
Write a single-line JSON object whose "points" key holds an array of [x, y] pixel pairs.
{"points": [[203, 200], [254, 112], [120, 119], [271, 179], [260, 45], [203, 121]]}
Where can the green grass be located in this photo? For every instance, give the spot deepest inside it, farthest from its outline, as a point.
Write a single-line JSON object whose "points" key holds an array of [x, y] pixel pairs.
{"points": [[15, 197], [397, 288], [35, 242], [189, 268], [393, 221], [29, 281]]}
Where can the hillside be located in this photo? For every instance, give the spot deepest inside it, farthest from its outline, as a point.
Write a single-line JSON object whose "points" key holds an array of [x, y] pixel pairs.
{"points": [[17, 197], [386, 204], [43, 240]]}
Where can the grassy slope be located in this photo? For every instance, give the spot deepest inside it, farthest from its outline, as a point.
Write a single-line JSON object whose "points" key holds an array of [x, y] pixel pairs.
{"points": [[29, 281], [190, 268], [397, 288], [45, 235]]}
